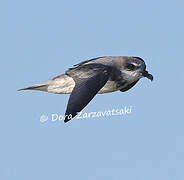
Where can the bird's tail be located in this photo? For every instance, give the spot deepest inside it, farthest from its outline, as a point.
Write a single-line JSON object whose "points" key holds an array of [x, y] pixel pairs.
{"points": [[61, 84], [43, 87]]}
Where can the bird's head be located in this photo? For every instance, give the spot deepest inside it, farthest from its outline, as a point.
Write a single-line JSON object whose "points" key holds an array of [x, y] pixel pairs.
{"points": [[134, 68]]}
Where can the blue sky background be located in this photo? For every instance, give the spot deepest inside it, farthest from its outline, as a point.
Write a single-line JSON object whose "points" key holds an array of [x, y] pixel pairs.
{"points": [[40, 40]]}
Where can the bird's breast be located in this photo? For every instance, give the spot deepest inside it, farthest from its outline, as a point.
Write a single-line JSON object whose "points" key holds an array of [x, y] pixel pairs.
{"points": [[110, 86]]}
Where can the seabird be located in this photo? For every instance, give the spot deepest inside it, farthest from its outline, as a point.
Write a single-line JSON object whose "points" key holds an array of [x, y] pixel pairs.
{"points": [[95, 76]]}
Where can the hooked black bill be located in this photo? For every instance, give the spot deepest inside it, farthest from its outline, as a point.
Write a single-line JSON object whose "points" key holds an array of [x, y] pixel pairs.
{"points": [[147, 75]]}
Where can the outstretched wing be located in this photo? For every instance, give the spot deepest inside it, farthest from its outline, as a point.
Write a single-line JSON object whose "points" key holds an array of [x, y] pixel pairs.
{"points": [[89, 79]]}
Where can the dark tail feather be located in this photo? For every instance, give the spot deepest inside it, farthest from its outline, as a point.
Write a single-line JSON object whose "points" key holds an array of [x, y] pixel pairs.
{"points": [[39, 87]]}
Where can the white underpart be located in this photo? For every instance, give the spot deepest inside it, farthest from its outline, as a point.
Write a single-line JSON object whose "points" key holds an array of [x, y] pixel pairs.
{"points": [[65, 84], [110, 86], [61, 85]]}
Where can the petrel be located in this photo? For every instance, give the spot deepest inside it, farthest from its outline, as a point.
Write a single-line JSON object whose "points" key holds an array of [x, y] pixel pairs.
{"points": [[95, 76]]}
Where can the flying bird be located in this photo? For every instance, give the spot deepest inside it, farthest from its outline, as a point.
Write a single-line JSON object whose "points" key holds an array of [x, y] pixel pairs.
{"points": [[95, 76]]}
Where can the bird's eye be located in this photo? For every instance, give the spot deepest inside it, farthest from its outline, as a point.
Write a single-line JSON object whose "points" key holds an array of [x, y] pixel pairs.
{"points": [[130, 66]]}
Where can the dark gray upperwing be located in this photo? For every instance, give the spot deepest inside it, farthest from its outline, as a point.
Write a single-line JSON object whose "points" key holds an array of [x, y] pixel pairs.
{"points": [[83, 62], [129, 86], [89, 79]]}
